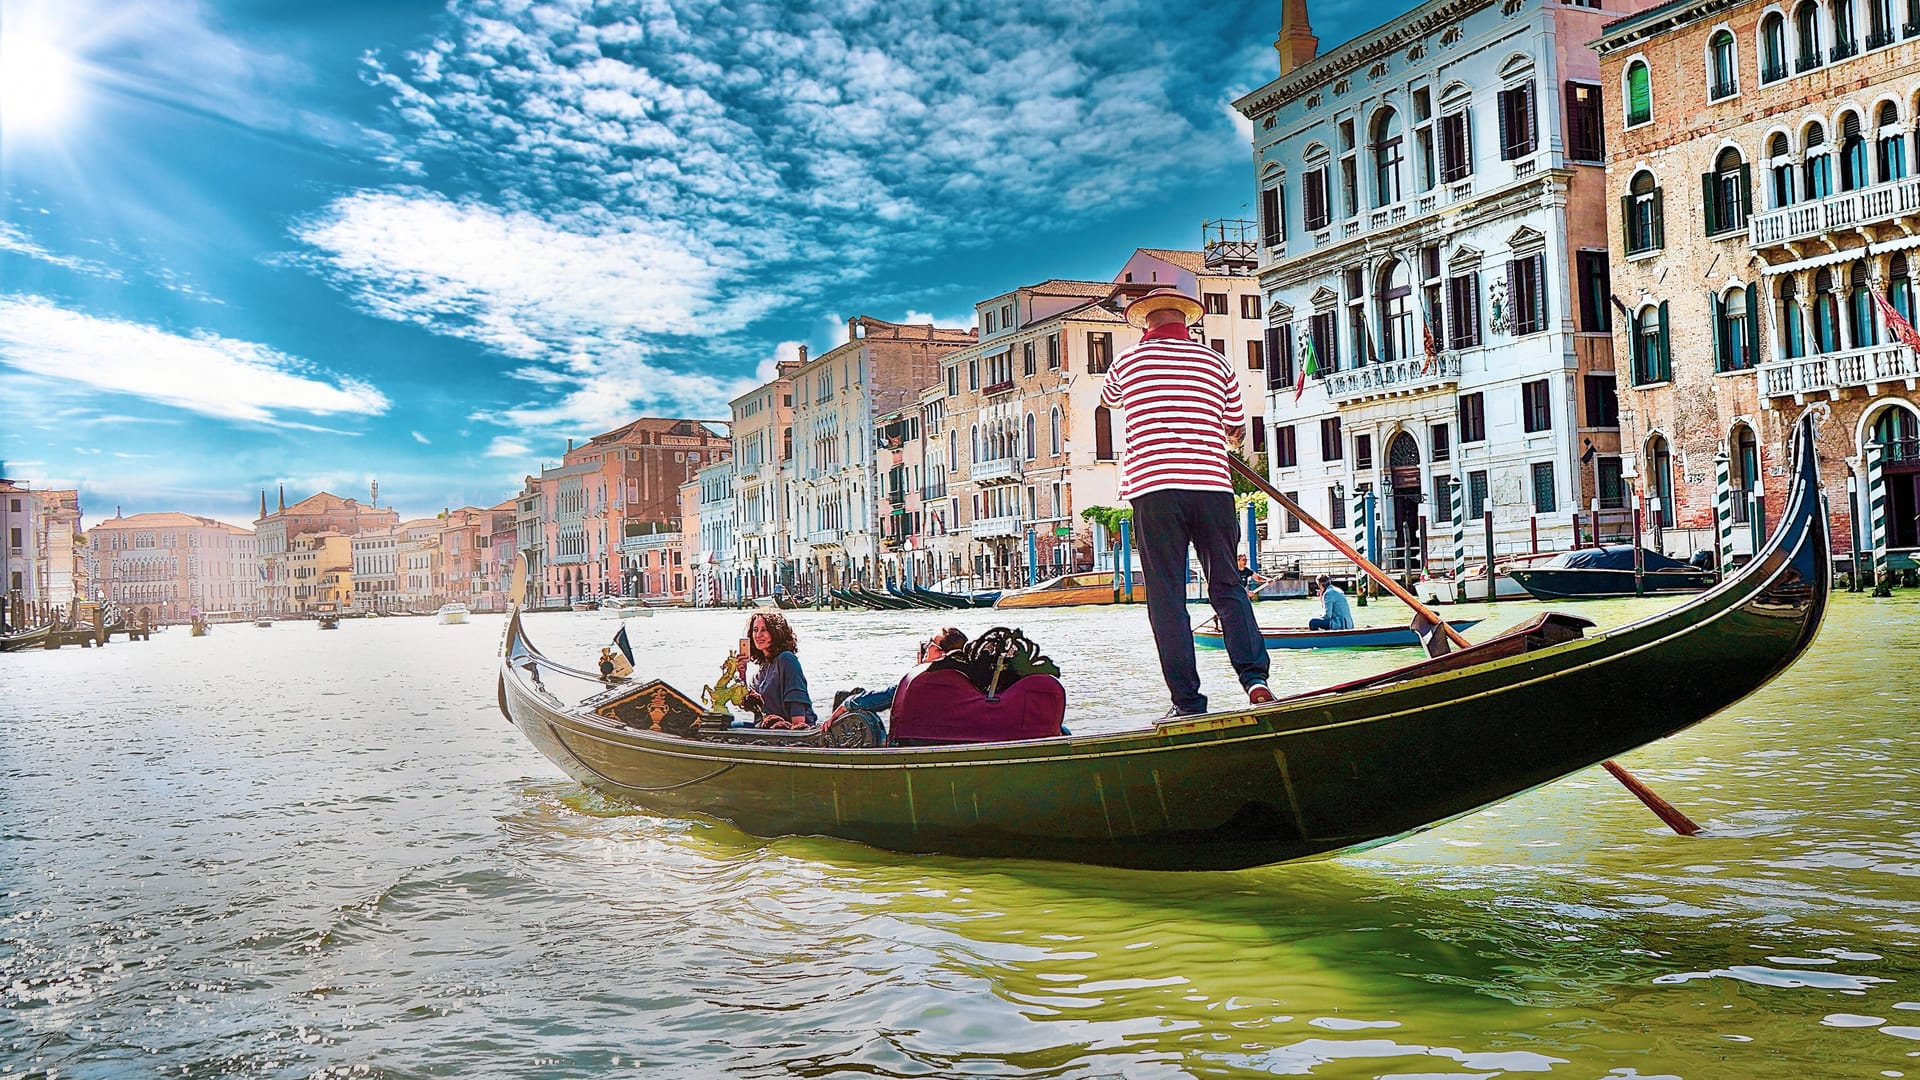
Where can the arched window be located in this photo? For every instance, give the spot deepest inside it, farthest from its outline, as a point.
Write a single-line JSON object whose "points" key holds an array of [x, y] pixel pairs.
{"points": [[1898, 435], [1735, 335], [1845, 37], [1793, 335], [1853, 153], [1899, 288], [1641, 211], [1826, 314], [1720, 54], [1030, 442], [1393, 298], [1819, 166], [1773, 48], [1743, 464], [953, 449], [974, 439], [1389, 151], [1860, 309], [1651, 363], [1639, 94], [1806, 24], [1890, 151], [1102, 433], [1660, 467], [1879, 23], [1780, 171], [1729, 189], [1053, 431]]}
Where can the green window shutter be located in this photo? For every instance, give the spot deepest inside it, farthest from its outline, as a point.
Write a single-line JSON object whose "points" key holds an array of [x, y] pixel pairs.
{"points": [[1710, 202], [1665, 359], [1719, 314], [1639, 95], [1753, 325], [1626, 225], [1659, 237], [1746, 194]]}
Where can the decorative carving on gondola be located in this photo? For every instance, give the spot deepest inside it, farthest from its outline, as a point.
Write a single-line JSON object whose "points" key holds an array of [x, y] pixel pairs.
{"points": [[654, 706], [997, 659]]}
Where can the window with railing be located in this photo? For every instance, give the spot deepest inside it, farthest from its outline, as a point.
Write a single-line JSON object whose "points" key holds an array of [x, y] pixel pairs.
{"points": [[1806, 21], [1721, 53], [1642, 215], [1773, 47], [1652, 363], [1845, 39]]}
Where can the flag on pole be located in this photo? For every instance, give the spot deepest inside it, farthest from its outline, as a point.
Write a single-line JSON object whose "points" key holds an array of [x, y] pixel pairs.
{"points": [[1309, 363], [1896, 322], [1433, 346], [623, 666]]}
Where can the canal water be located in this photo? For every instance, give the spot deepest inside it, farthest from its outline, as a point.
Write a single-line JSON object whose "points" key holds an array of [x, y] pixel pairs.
{"points": [[287, 853]]}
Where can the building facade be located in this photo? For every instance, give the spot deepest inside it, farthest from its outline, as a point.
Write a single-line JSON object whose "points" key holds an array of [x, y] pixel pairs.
{"points": [[763, 470], [167, 565], [1433, 249], [880, 368], [719, 579], [276, 533], [1764, 221]]}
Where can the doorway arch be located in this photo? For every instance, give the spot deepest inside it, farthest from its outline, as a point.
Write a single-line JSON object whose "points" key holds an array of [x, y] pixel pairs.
{"points": [[1403, 479]]}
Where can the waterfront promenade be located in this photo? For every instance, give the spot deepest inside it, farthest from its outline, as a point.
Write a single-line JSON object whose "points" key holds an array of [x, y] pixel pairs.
{"points": [[211, 870]]}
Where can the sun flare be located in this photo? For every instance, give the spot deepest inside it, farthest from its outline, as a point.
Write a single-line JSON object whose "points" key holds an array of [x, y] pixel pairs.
{"points": [[37, 83]]}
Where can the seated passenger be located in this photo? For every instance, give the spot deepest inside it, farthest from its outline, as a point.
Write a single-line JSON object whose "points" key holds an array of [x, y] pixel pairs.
{"points": [[996, 689], [1335, 614], [779, 694], [947, 639]]}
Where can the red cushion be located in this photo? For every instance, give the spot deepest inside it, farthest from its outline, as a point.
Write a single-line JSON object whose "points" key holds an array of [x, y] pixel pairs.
{"points": [[941, 706]]}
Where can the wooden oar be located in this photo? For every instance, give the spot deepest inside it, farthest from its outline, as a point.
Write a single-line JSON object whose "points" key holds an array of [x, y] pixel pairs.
{"points": [[1661, 808]]}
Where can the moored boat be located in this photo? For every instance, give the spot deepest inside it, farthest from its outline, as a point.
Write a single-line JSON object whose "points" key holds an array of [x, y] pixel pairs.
{"points": [[1208, 636], [1342, 768], [329, 621], [1601, 572], [30, 638], [1072, 590]]}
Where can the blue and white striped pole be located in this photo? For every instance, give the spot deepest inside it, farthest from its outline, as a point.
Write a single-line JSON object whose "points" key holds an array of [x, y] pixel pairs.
{"points": [[1033, 559], [1124, 572], [1723, 511], [1253, 538], [1459, 508], [1877, 508]]}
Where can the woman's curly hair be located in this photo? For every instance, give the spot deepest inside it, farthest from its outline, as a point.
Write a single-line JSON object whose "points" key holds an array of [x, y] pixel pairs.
{"points": [[778, 630]]}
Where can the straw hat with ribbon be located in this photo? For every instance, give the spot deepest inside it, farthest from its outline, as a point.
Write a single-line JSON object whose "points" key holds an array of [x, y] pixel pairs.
{"points": [[1160, 300]]}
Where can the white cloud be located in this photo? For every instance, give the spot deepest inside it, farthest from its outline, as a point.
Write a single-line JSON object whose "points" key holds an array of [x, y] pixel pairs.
{"points": [[422, 439], [14, 240], [509, 447], [203, 372]]}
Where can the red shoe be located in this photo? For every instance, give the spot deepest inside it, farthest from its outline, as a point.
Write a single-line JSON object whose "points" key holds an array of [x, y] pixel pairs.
{"points": [[1258, 694]]}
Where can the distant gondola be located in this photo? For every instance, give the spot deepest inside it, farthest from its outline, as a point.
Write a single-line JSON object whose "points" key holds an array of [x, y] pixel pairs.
{"points": [[30, 638], [1207, 635], [1601, 572], [1347, 767]]}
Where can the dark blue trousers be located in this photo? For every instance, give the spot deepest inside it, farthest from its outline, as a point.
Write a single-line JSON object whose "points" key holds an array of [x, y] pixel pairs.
{"points": [[1165, 524]]}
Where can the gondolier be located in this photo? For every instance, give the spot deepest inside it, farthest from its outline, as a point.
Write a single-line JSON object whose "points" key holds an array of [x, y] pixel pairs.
{"points": [[1183, 409]]}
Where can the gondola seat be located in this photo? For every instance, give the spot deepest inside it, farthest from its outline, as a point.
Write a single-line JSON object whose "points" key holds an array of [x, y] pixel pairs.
{"points": [[941, 706]]}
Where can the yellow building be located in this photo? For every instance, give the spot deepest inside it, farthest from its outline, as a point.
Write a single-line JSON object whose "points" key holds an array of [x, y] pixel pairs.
{"points": [[320, 572]]}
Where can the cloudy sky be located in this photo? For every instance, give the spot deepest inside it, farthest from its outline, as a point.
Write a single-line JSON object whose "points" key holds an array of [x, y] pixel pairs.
{"points": [[252, 243]]}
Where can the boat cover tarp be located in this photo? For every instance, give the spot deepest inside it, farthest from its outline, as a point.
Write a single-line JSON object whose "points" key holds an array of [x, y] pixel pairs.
{"points": [[1613, 557], [940, 706]]}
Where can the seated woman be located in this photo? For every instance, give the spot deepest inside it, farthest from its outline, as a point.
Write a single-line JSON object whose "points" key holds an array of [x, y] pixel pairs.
{"points": [[779, 693], [947, 639]]}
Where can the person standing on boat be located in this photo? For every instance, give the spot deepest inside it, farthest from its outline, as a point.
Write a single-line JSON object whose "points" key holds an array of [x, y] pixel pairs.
{"points": [[1334, 612], [1183, 409], [779, 692]]}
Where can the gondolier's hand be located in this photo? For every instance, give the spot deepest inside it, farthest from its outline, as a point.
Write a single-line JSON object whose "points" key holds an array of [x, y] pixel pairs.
{"points": [[1235, 436]]}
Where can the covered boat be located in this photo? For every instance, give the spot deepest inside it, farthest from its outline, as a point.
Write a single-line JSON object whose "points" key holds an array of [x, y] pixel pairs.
{"points": [[1207, 635], [1598, 572], [1343, 768]]}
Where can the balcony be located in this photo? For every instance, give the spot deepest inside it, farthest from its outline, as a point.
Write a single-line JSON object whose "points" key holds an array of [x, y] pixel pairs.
{"points": [[1845, 50], [1830, 373], [989, 528], [1723, 89], [1001, 387], [1880, 39], [1395, 379], [1807, 62], [1879, 204], [1773, 71], [994, 470], [824, 538]]}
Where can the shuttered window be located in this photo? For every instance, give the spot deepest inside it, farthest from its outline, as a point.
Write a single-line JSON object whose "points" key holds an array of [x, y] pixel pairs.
{"points": [[1456, 149], [1463, 311], [1517, 122], [1639, 94]]}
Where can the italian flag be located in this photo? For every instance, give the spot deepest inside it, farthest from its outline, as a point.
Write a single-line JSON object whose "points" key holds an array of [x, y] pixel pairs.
{"points": [[1309, 363]]}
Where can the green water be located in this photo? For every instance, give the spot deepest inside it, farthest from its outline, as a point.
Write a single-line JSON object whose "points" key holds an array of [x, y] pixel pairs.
{"points": [[287, 853]]}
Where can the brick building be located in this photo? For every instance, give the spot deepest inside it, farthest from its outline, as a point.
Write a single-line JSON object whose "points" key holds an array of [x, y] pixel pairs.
{"points": [[1757, 213]]}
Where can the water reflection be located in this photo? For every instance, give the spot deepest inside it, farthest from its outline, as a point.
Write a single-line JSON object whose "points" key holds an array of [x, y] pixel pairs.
{"points": [[286, 853]]}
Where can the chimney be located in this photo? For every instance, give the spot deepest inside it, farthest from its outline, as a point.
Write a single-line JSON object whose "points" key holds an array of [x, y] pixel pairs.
{"points": [[283, 498], [1296, 43], [263, 502], [803, 354], [853, 329], [569, 446]]}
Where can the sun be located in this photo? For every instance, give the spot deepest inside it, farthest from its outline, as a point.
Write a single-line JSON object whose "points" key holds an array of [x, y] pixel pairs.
{"points": [[37, 84]]}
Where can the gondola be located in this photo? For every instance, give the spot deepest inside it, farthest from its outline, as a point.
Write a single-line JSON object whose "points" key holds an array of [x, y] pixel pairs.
{"points": [[1602, 572], [1343, 768], [1207, 635], [30, 638]]}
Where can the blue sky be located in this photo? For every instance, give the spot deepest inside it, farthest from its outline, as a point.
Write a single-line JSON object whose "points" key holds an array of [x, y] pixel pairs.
{"points": [[255, 243]]}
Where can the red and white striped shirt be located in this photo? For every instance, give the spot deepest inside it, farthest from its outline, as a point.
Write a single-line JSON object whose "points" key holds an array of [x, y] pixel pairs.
{"points": [[1180, 398]]}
